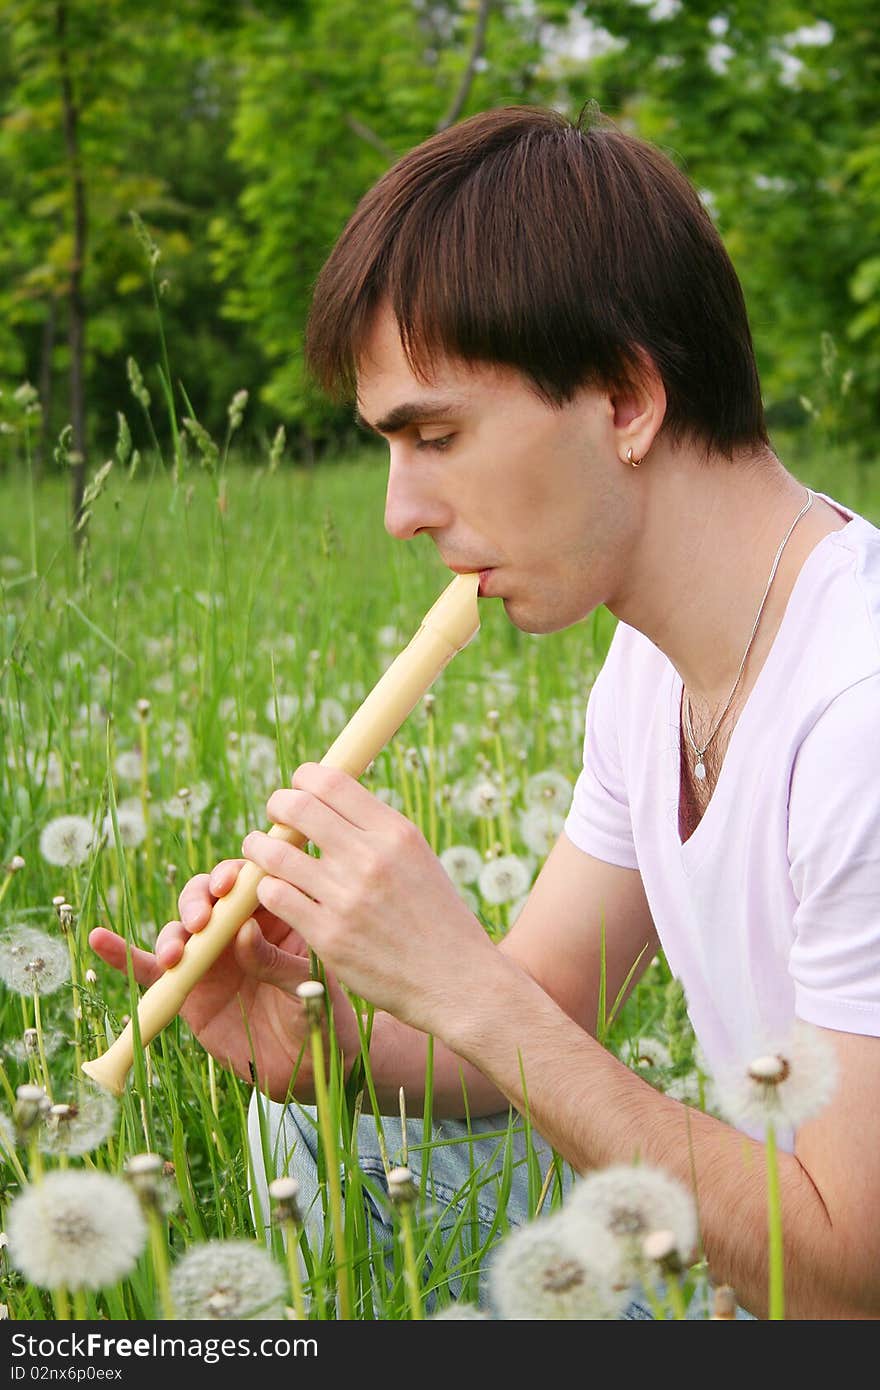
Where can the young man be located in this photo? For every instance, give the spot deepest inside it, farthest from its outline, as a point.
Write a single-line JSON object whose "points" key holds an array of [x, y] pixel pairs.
{"points": [[542, 321]]}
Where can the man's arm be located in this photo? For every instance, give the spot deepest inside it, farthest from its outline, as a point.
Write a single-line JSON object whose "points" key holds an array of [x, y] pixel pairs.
{"points": [[595, 1112], [557, 941]]}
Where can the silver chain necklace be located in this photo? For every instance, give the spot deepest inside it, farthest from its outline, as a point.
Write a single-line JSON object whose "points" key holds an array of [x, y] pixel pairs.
{"points": [[700, 766]]}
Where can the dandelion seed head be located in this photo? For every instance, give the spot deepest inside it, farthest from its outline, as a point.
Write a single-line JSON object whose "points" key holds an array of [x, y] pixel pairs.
{"points": [[27, 1046], [401, 1188], [549, 790], [331, 716], [221, 1279], [284, 1193], [130, 819], [539, 829], [152, 1183], [16, 864], [79, 1126], [75, 1229], [188, 803], [503, 879], [785, 1084], [459, 1312], [536, 1272], [67, 841], [32, 962], [483, 799], [462, 863], [129, 765], [628, 1203]]}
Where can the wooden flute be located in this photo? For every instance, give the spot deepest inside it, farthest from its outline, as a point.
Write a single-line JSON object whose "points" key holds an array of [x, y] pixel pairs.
{"points": [[446, 628]]}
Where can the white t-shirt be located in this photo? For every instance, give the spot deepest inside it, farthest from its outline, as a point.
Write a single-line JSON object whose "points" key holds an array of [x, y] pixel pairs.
{"points": [[770, 911]]}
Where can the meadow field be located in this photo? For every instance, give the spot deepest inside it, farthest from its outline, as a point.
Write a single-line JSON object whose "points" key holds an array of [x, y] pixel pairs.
{"points": [[219, 627]]}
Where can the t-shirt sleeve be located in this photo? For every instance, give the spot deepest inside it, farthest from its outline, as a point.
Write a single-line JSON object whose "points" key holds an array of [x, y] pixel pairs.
{"points": [[598, 820], [834, 853]]}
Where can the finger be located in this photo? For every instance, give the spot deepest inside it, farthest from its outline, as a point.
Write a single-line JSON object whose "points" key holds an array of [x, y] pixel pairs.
{"points": [[221, 879], [312, 817], [284, 861], [263, 960], [114, 950], [196, 902], [170, 943], [344, 793]]}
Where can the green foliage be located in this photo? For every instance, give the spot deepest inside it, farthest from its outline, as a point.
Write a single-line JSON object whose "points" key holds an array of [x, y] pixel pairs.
{"points": [[243, 135]]}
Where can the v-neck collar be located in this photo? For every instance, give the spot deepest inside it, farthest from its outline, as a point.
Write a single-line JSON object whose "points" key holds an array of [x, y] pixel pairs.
{"points": [[694, 848]]}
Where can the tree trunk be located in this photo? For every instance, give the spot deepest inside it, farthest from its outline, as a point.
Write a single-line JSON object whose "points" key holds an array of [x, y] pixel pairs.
{"points": [[47, 348], [76, 328]]}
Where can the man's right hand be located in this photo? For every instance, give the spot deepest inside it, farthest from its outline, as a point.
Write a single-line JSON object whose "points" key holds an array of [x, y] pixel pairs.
{"points": [[245, 1007]]}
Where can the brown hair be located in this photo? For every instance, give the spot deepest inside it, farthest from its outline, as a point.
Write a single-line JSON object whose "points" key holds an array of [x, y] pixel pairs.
{"points": [[564, 250]]}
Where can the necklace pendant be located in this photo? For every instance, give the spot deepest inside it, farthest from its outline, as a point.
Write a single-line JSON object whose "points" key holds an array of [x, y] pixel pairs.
{"points": [[700, 771]]}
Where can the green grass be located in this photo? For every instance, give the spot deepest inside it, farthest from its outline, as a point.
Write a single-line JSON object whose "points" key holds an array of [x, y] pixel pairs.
{"points": [[253, 614]]}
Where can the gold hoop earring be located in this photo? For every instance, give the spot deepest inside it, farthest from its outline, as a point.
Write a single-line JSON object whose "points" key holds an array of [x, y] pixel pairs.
{"points": [[629, 458]]}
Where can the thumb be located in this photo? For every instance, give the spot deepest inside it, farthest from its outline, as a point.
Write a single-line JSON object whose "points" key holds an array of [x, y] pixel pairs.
{"points": [[264, 961]]}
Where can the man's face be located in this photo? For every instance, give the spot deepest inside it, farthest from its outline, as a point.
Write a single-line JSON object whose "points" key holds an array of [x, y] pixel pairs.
{"points": [[499, 480]]}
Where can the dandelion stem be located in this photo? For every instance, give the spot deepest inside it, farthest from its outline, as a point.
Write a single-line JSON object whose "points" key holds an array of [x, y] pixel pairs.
{"points": [[62, 1305], [7, 879], [80, 1308], [159, 1252], [504, 814], [410, 1269], [774, 1218], [44, 1065], [291, 1232], [331, 1162], [432, 785]]}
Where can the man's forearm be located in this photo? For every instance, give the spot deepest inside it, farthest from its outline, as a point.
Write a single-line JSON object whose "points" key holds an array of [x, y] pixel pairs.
{"points": [[399, 1058], [595, 1112]]}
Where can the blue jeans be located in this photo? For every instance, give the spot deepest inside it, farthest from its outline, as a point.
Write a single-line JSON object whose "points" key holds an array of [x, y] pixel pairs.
{"points": [[481, 1181]]}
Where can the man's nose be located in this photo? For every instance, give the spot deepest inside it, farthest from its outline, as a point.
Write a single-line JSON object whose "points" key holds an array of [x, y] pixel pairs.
{"points": [[411, 505]]}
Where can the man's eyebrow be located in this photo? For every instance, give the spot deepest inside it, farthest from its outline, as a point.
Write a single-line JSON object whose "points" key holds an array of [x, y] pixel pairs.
{"points": [[397, 419]]}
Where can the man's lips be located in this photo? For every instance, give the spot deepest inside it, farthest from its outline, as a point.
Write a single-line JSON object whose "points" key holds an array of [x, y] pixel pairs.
{"points": [[472, 569]]}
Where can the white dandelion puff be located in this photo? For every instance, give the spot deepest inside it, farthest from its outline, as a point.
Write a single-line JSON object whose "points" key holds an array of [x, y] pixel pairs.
{"points": [[628, 1203], [74, 1230], [503, 879], [132, 826], [537, 1272], [390, 795], [189, 802], [462, 863], [786, 1084], [288, 708], [483, 799], [260, 757], [540, 828], [459, 1312], [222, 1279], [331, 716], [32, 962], [67, 841], [81, 1125], [647, 1055], [516, 908], [129, 765], [548, 789], [21, 1049]]}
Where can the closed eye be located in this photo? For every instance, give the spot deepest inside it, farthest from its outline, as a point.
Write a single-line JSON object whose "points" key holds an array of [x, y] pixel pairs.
{"points": [[441, 443]]}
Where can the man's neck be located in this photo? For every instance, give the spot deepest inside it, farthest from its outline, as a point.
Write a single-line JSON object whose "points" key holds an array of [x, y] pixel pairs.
{"points": [[703, 556]]}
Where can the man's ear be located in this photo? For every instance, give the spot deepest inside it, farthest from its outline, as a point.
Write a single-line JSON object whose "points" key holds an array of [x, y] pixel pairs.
{"points": [[639, 408]]}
